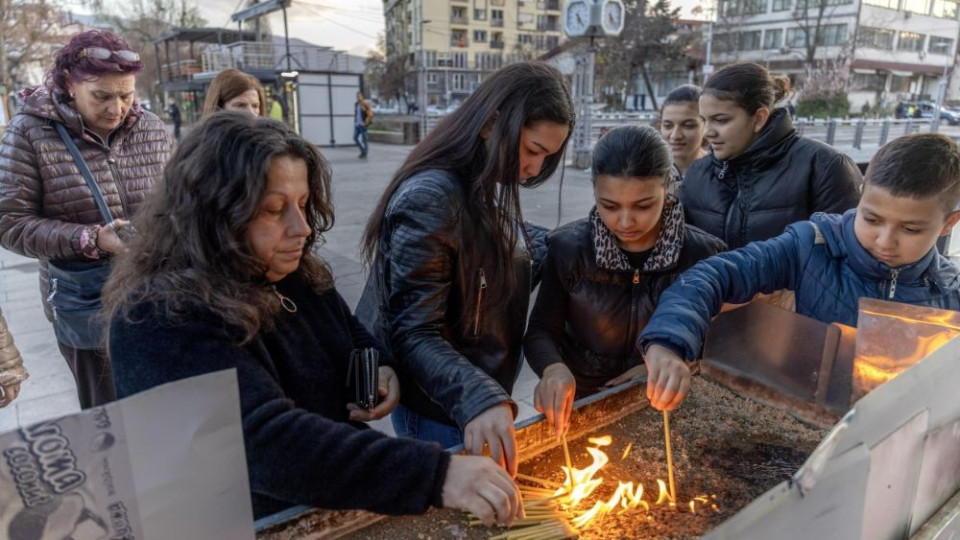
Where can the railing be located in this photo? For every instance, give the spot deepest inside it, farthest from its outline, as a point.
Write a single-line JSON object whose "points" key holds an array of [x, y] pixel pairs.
{"points": [[496, 44], [549, 4], [182, 70], [458, 41], [496, 23], [548, 26], [454, 19]]}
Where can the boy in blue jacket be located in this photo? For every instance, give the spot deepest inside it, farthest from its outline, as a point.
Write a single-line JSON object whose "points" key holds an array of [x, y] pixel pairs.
{"points": [[884, 248]]}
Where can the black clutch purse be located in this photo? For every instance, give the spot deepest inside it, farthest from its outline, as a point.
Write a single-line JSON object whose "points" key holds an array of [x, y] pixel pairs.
{"points": [[363, 375]]}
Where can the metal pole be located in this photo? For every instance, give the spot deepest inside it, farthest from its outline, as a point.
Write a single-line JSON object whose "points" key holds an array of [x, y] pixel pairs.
{"points": [[422, 76], [935, 125], [286, 37]]}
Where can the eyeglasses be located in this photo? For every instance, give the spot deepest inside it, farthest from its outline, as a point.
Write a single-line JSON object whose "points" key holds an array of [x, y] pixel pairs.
{"points": [[104, 54]]}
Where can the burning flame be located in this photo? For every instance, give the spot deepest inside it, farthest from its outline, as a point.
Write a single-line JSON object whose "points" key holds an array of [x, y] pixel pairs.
{"points": [[580, 484]]}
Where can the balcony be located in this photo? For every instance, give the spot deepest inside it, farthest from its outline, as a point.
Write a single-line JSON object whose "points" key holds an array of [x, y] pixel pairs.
{"points": [[547, 26], [454, 19], [549, 5], [496, 23], [496, 45], [458, 41]]}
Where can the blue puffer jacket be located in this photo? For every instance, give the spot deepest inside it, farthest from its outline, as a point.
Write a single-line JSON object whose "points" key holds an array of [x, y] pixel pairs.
{"points": [[829, 273]]}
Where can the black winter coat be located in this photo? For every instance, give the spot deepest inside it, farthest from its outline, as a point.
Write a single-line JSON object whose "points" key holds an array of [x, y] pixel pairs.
{"points": [[592, 304], [301, 446], [781, 179], [415, 299]]}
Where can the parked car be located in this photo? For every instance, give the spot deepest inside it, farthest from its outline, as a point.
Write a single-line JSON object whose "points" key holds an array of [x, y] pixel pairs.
{"points": [[924, 109]]}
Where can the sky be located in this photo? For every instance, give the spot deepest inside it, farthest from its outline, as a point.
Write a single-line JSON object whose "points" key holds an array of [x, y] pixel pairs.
{"points": [[349, 25]]}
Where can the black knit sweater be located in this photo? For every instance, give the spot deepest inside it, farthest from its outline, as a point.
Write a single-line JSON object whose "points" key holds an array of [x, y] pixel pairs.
{"points": [[300, 447]]}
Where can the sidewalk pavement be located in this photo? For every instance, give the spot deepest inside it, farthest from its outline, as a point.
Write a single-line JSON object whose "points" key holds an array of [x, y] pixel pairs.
{"points": [[357, 184]]}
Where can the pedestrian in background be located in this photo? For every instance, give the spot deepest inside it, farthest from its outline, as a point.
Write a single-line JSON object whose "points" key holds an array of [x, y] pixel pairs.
{"points": [[682, 127], [174, 112], [234, 90], [48, 210], [362, 118], [453, 264], [761, 175]]}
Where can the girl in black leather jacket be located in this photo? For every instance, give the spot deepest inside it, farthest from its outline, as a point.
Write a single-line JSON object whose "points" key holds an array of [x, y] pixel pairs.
{"points": [[761, 175], [604, 273], [453, 264]]}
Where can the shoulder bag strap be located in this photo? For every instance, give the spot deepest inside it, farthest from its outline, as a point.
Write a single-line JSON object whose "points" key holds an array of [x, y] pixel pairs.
{"points": [[85, 171]]}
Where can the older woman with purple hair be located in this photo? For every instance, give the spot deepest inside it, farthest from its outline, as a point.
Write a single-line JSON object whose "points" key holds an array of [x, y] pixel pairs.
{"points": [[48, 206]]}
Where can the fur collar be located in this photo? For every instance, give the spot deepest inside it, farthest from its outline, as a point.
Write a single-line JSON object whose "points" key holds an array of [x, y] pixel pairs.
{"points": [[666, 251]]}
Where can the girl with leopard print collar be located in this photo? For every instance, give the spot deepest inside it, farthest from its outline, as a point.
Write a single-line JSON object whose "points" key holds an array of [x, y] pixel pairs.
{"points": [[604, 274]]}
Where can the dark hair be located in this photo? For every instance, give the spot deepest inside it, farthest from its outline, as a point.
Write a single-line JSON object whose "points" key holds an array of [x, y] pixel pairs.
{"points": [[69, 64], [687, 93], [633, 151], [748, 85], [918, 166], [229, 84], [514, 97], [191, 246]]}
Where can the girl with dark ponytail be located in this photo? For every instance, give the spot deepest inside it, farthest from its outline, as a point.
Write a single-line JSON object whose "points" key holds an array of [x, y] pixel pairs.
{"points": [[762, 175], [604, 274]]}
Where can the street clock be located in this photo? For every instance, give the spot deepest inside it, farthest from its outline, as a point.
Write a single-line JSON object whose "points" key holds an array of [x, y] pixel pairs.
{"points": [[593, 18]]}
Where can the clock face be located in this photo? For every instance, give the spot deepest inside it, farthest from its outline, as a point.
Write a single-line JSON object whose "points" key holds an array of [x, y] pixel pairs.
{"points": [[612, 17], [577, 18]]}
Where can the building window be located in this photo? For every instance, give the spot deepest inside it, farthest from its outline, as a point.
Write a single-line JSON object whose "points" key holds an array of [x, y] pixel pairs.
{"points": [[431, 60], [488, 61], [916, 6], [670, 80], [729, 8], [480, 36], [431, 77], [940, 45], [480, 14], [753, 7], [875, 38], [782, 5], [458, 15], [459, 82], [796, 38], [458, 38], [889, 4], [773, 38], [867, 82], [910, 41], [946, 9], [459, 60], [899, 85], [750, 41], [833, 34], [496, 17], [525, 39]]}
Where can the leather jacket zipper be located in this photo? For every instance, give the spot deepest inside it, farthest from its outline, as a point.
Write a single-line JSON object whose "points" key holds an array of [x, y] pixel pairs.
{"points": [[893, 282], [112, 162], [480, 293]]}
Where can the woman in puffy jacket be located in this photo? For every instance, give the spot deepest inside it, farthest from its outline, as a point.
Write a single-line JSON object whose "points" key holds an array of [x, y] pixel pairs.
{"points": [[453, 264], [604, 273], [761, 175], [47, 210]]}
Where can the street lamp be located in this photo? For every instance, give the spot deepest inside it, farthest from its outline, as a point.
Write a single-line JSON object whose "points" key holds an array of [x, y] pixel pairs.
{"points": [[942, 88]]}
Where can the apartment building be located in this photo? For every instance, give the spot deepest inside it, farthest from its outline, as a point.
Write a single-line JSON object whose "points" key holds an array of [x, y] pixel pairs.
{"points": [[895, 49], [460, 41]]}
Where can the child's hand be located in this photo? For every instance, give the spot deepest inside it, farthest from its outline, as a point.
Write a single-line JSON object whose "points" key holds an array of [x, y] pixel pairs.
{"points": [[554, 396], [668, 378]]}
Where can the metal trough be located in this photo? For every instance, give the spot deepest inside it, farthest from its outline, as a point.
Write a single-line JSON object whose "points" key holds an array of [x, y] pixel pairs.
{"points": [[889, 468]]}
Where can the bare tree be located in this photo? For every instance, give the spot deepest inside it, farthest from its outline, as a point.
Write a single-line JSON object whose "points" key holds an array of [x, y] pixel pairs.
{"points": [[649, 43], [28, 36]]}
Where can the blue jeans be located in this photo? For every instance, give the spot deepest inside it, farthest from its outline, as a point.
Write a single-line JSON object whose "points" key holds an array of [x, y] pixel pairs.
{"points": [[360, 137], [411, 425]]}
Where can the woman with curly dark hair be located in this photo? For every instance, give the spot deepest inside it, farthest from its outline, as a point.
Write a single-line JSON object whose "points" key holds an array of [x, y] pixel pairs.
{"points": [[223, 276], [47, 208]]}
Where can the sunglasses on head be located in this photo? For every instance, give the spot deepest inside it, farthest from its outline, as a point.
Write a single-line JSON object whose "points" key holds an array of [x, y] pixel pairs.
{"points": [[104, 54]]}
